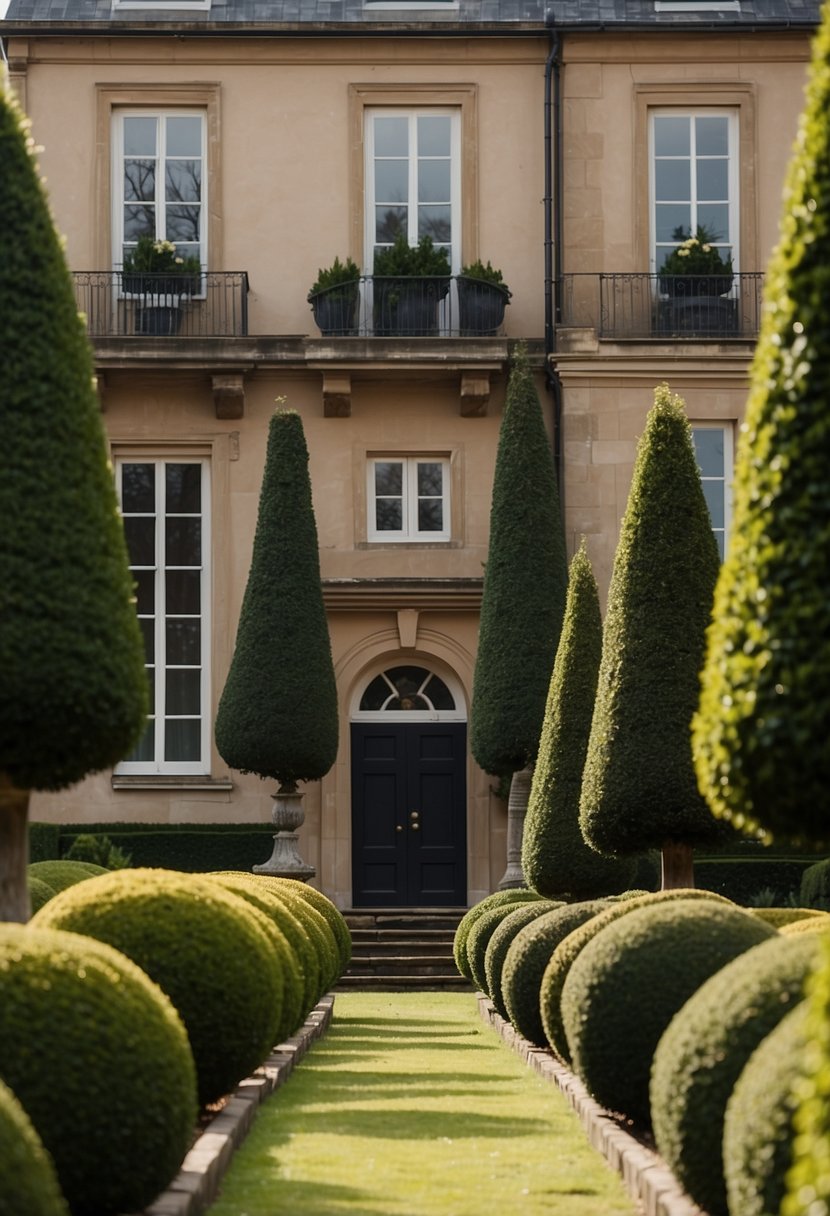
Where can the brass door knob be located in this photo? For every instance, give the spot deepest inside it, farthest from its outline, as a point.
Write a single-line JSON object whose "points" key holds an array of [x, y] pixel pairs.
{"points": [[416, 827], [398, 827]]}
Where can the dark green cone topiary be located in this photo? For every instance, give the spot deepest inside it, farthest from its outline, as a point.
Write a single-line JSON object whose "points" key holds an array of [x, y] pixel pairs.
{"points": [[567, 952], [524, 587], [73, 697], [527, 959], [760, 739], [29, 1185], [701, 1055], [116, 1106], [501, 942], [515, 895], [628, 983], [758, 1131], [639, 789], [556, 861], [204, 947], [278, 712]]}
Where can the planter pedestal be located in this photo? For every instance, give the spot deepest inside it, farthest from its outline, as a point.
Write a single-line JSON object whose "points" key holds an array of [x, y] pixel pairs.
{"points": [[285, 861]]}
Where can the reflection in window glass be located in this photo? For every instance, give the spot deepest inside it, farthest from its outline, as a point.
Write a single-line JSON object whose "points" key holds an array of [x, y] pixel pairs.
{"points": [[409, 499], [692, 172], [407, 689]]}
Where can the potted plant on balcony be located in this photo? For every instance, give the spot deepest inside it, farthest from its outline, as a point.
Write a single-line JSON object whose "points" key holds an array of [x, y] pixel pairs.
{"points": [[696, 267], [409, 282], [155, 272], [334, 299], [482, 298]]}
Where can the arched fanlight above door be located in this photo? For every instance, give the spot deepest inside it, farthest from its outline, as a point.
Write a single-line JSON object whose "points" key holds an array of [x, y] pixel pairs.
{"points": [[408, 691]]}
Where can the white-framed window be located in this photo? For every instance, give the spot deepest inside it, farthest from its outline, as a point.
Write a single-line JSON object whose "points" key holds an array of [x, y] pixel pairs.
{"points": [[164, 504], [159, 180], [714, 450], [693, 172], [413, 179], [408, 498], [406, 692]]}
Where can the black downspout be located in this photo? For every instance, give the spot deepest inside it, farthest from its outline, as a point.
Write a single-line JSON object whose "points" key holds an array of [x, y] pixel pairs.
{"points": [[553, 239]]}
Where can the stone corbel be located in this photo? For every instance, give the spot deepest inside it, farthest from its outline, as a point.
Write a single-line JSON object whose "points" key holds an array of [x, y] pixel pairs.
{"points": [[229, 394], [337, 395], [475, 393]]}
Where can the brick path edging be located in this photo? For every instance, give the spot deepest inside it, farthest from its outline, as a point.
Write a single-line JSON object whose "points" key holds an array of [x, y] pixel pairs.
{"points": [[196, 1185], [645, 1175]]}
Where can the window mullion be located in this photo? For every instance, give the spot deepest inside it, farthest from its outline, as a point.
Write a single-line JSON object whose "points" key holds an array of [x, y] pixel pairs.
{"points": [[413, 209]]}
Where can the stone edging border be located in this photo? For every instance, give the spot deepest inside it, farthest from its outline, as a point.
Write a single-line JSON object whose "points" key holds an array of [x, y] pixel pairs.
{"points": [[196, 1185], [645, 1175]]}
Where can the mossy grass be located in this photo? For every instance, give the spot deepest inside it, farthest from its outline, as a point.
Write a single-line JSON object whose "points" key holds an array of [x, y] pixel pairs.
{"points": [[207, 949], [411, 1104], [116, 1121]]}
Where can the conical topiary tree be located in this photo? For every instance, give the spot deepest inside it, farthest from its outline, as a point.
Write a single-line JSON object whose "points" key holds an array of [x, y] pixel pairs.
{"points": [[639, 790], [278, 712], [762, 734], [73, 690], [555, 858], [523, 600]]}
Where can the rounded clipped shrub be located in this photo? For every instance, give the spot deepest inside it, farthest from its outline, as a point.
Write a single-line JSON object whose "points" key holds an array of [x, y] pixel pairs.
{"points": [[323, 945], [778, 917], [556, 972], [758, 1127], [527, 958], [809, 924], [479, 939], [62, 874], [39, 893], [514, 895], [30, 1184], [330, 912], [207, 949], [501, 941], [629, 982], [293, 985], [704, 1050], [116, 1105]]}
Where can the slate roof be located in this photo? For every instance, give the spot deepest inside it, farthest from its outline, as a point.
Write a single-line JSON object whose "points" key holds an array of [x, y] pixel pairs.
{"points": [[467, 16]]}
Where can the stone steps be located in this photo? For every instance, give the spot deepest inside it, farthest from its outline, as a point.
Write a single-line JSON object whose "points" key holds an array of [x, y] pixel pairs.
{"points": [[403, 948]]}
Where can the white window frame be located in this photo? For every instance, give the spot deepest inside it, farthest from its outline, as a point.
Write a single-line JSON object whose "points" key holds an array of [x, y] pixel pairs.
{"points": [[409, 533], [118, 201], [732, 238], [159, 765], [413, 113], [726, 429], [459, 714]]}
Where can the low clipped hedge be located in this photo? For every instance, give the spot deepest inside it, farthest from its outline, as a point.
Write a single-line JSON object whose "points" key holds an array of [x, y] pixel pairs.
{"points": [[514, 895], [741, 878], [479, 939], [501, 941], [62, 874], [758, 1127], [29, 1184], [527, 959], [628, 983], [207, 949], [705, 1048], [293, 985], [116, 1104], [565, 954]]}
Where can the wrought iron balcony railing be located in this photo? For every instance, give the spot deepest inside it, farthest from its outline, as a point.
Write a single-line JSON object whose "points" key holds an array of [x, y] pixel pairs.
{"points": [[213, 304], [414, 307], [669, 307]]}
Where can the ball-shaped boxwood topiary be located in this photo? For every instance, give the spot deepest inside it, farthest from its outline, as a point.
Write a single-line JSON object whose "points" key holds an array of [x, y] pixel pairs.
{"points": [[808, 925], [527, 958], [501, 941], [701, 1055], [565, 954], [30, 1184], [116, 1106], [293, 984], [39, 893], [629, 982], [479, 939], [778, 917], [514, 895], [320, 936], [758, 1129], [329, 911], [206, 949], [62, 874]]}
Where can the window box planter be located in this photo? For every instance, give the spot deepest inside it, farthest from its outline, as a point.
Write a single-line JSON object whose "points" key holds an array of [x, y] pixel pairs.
{"points": [[408, 307], [335, 310], [481, 306], [158, 315]]}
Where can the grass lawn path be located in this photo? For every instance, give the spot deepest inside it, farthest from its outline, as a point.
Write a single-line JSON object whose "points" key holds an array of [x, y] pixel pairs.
{"points": [[411, 1106]]}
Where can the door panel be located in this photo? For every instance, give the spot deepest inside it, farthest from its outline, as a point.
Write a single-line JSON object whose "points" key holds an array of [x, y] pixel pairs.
{"points": [[409, 814]]}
